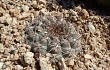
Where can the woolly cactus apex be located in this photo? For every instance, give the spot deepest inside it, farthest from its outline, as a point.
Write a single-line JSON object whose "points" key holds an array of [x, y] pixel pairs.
{"points": [[50, 34]]}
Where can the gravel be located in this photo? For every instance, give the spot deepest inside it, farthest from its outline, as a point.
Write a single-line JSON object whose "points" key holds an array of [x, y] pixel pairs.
{"points": [[92, 36]]}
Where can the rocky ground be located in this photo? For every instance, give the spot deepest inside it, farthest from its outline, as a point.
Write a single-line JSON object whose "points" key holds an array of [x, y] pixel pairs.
{"points": [[19, 16]]}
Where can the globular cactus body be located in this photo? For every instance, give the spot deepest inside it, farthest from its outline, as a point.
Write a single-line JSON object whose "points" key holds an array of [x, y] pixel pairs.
{"points": [[50, 34]]}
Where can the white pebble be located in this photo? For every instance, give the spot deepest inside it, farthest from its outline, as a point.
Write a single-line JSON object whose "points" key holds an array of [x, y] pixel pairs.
{"points": [[25, 8], [2, 19], [1, 65], [91, 27], [28, 57], [87, 56], [19, 67], [1, 48], [14, 21], [78, 8], [9, 20]]}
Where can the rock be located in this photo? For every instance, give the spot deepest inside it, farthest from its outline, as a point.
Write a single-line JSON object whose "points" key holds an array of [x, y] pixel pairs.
{"points": [[81, 64], [93, 43], [28, 57], [91, 27], [87, 56], [87, 63], [1, 48], [16, 56], [24, 15], [108, 59], [7, 63], [84, 14], [78, 9], [73, 13], [25, 8], [9, 20], [2, 19], [75, 18], [1, 65], [14, 21], [34, 4], [101, 20], [45, 64], [63, 65], [18, 67], [96, 18], [14, 12], [70, 62]]}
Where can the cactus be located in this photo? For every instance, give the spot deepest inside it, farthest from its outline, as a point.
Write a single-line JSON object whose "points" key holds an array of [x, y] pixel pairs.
{"points": [[54, 35]]}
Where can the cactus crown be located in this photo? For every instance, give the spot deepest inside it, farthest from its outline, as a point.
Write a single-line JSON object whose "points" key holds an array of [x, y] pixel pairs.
{"points": [[53, 35]]}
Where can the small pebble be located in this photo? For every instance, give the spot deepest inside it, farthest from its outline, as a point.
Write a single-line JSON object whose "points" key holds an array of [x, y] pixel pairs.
{"points": [[70, 62], [96, 18], [25, 8], [78, 9], [28, 57], [84, 14], [73, 13], [1, 48], [1, 65], [9, 20], [87, 56], [2, 19], [91, 27], [24, 15], [18, 67], [14, 21]]}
